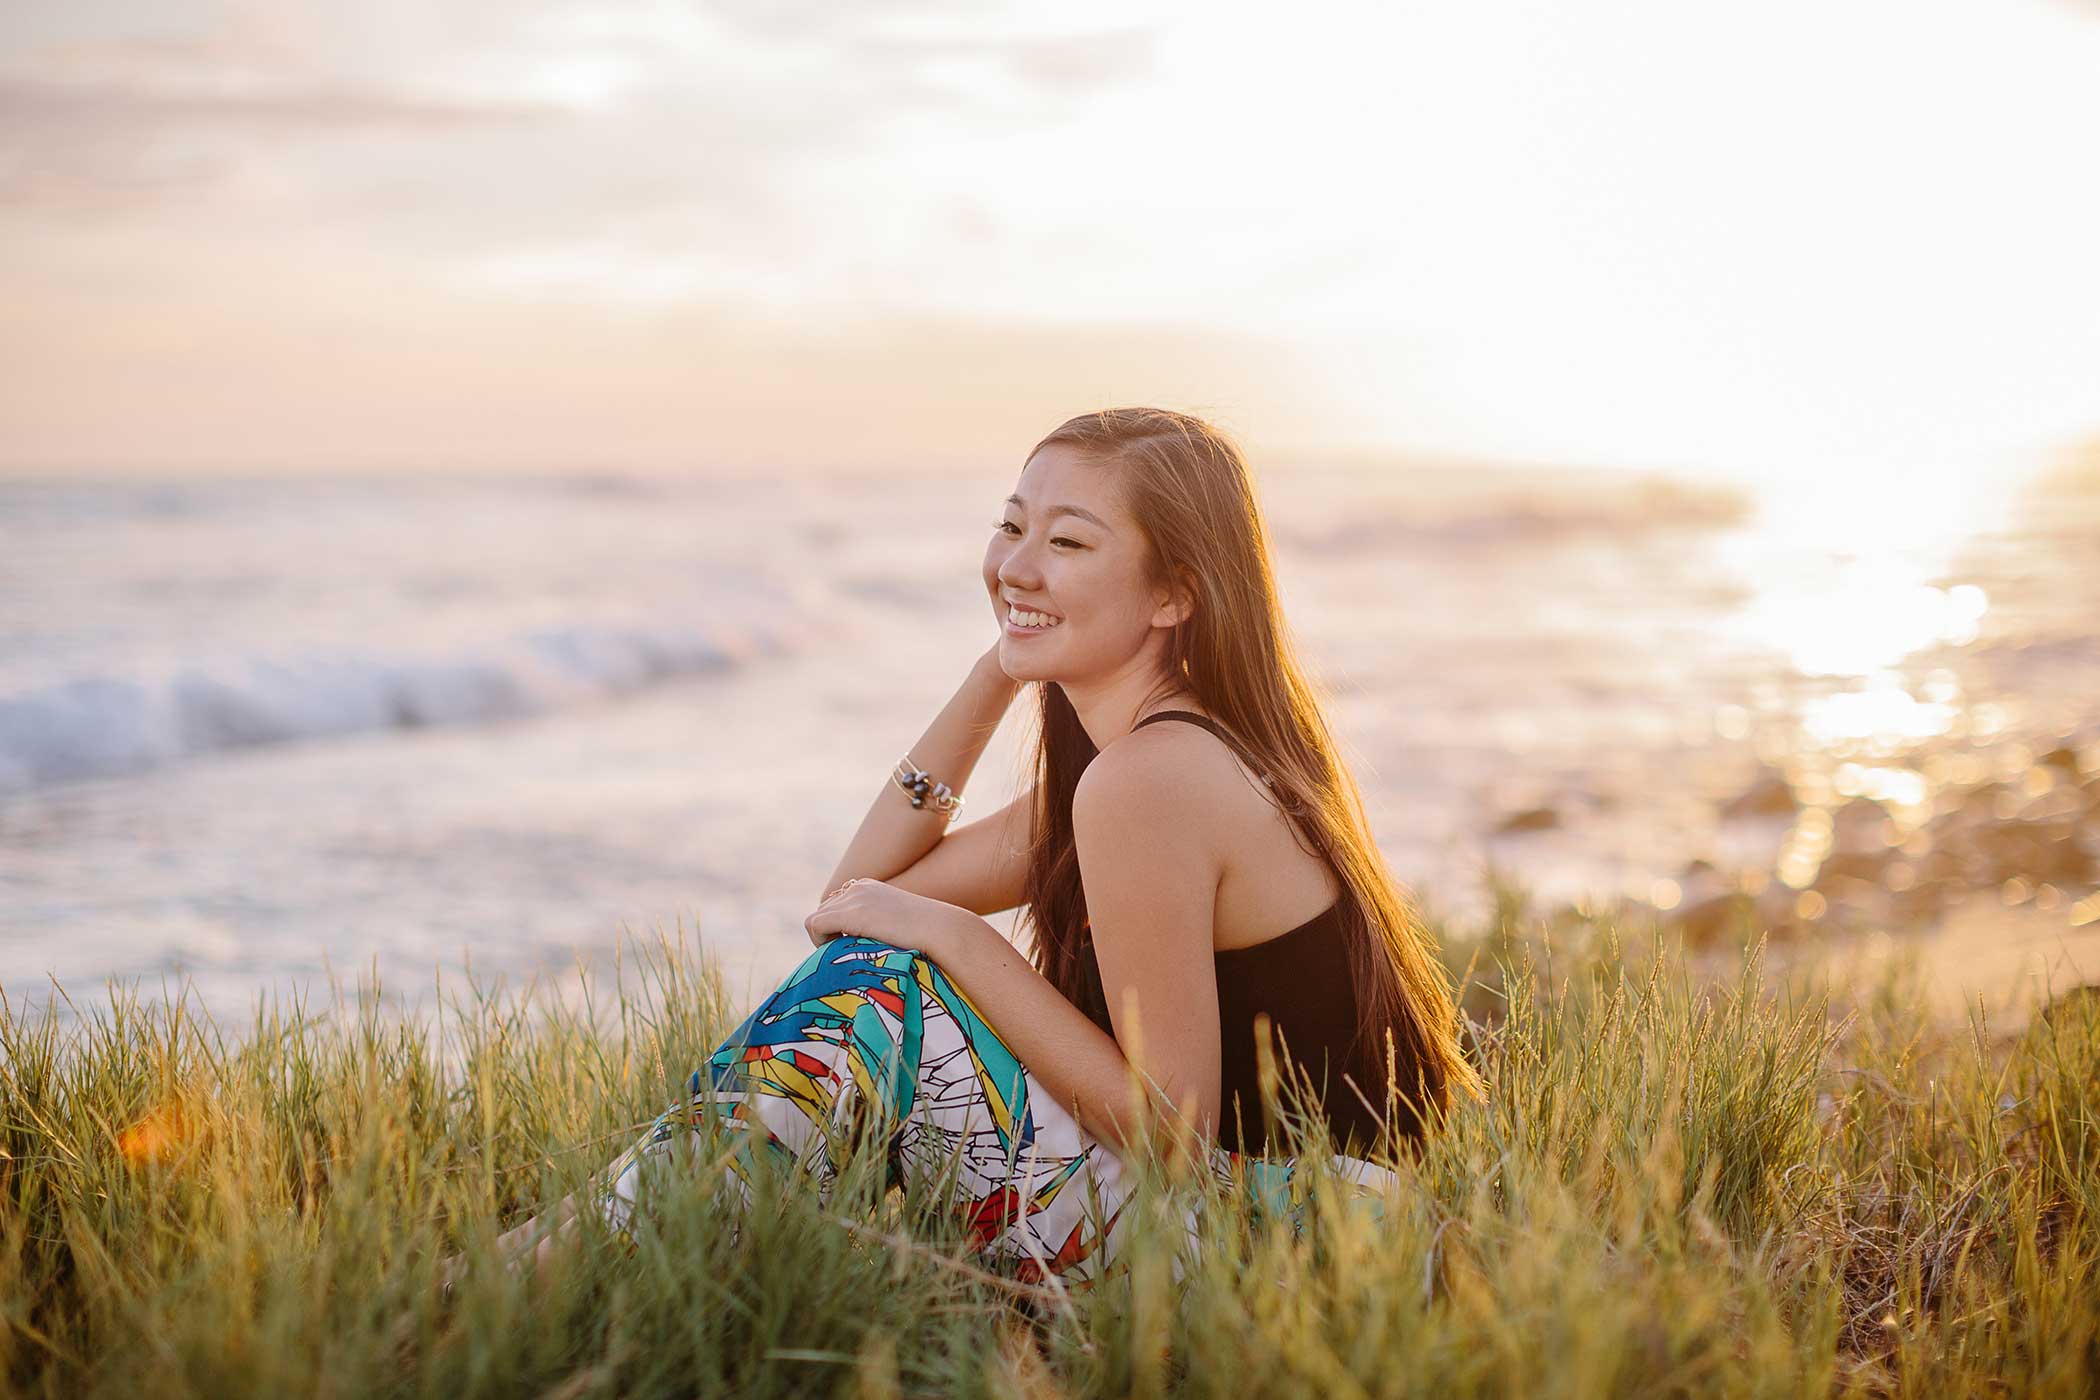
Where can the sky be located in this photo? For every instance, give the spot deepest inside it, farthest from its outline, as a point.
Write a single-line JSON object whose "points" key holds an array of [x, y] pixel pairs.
{"points": [[1839, 240]]}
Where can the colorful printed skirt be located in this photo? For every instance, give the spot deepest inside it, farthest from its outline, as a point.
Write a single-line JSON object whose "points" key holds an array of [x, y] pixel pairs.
{"points": [[864, 1032]]}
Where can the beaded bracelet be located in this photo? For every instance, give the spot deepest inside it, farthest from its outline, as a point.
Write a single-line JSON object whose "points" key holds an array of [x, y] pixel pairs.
{"points": [[922, 788]]}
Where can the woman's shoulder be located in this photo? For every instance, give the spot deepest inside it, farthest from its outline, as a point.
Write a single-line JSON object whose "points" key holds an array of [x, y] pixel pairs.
{"points": [[1167, 771], [1198, 754], [1179, 756], [1151, 804]]}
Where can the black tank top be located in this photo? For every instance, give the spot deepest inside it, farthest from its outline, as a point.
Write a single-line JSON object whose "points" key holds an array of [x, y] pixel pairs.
{"points": [[1301, 981]]}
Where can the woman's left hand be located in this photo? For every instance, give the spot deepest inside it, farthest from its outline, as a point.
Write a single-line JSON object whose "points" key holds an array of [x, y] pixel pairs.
{"points": [[874, 909]]}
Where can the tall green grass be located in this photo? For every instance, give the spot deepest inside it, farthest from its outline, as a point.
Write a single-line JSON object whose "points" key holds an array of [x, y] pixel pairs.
{"points": [[1680, 1182]]}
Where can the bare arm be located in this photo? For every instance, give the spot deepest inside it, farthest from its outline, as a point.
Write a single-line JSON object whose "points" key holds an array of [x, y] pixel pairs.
{"points": [[1082, 1066], [1152, 868], [895, 834], [981, 866], [1152, 873]]}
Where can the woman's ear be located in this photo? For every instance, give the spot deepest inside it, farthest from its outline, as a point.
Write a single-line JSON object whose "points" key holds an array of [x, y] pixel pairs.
{"points": [[1177, 609], [1189, 593]]}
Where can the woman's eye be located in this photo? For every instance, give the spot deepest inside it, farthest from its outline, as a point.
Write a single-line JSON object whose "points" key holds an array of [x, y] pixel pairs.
{"points": [[1054, 539]]}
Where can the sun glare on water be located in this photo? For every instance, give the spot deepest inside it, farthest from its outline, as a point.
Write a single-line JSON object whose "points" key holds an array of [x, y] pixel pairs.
{"points": [[1850, 570], [1852, 583]]}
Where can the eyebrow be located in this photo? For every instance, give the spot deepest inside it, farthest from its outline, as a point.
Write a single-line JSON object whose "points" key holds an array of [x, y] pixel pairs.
{"points": [[1065, 510]]}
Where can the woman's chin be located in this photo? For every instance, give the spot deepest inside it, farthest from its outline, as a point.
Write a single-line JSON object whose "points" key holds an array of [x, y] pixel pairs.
{"points": [[1013, 659]]}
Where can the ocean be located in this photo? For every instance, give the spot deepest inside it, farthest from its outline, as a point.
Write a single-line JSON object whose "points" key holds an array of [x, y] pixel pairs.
{"points": [[265, 732]]}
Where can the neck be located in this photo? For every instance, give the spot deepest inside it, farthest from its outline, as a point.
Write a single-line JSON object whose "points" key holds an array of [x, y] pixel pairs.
{"points": [[1109, 707]]}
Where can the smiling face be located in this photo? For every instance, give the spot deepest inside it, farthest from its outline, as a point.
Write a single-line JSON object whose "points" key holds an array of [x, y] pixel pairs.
{"points": [[1085, 566]]}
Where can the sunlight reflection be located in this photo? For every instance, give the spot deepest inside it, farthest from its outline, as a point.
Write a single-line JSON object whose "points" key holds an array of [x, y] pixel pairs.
{"points": [[1865, 615], [1903, 787], [1885, 713], [1845, 569]]}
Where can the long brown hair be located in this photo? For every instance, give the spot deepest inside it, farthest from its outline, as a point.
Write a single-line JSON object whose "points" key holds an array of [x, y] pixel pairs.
{"points": [[1189, 488]]}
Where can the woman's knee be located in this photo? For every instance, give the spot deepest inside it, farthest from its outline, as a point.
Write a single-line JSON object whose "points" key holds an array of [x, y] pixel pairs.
{"points": [[862, 946], [847, 957], [855, 956]]}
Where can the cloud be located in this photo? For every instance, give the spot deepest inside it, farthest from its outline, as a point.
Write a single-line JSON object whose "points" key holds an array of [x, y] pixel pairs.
{"points": [[27, 105], [106, 126], [1050, 64], [515, 129]]}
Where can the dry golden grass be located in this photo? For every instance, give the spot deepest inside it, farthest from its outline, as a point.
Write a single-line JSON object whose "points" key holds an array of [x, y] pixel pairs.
{"points": [[1678, 1184]]}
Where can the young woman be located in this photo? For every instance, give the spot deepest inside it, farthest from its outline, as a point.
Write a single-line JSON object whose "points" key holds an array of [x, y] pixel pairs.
{"points": [[1203, 894]]}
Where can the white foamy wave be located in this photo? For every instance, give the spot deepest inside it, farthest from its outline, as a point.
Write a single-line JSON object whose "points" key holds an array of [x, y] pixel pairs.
{"points": [[104, 725]]}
